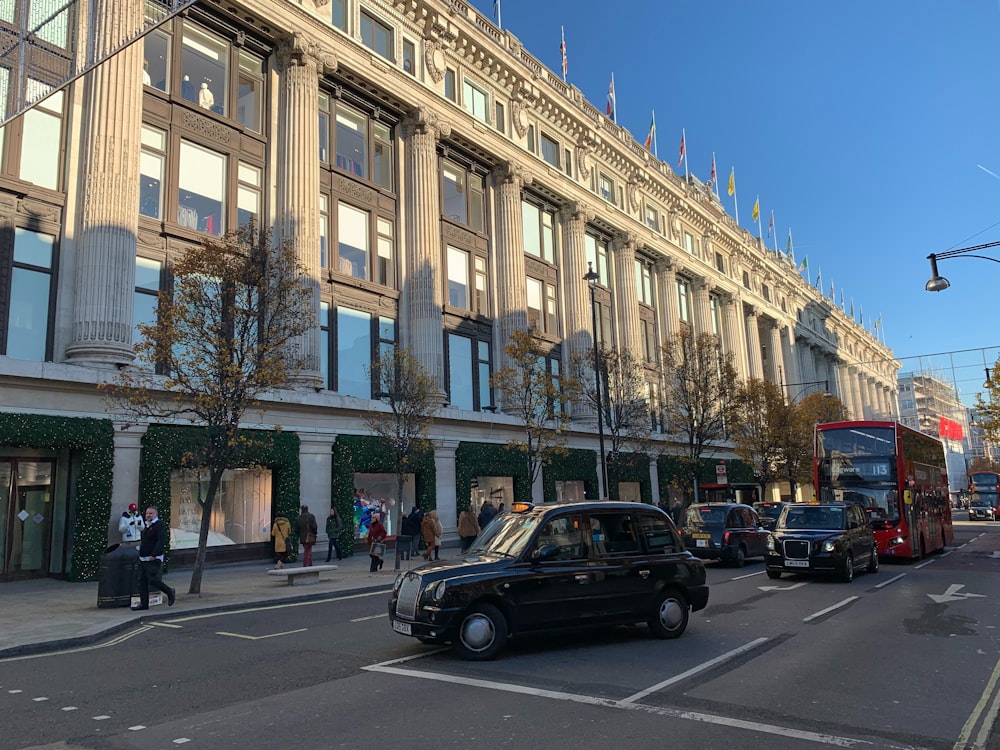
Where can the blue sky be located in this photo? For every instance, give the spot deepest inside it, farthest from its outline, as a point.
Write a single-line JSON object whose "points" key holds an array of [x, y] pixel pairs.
{"points": [[867, 126]]}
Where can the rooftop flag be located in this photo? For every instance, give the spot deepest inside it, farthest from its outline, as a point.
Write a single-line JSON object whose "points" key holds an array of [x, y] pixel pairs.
{"points": [[650, 142], [755, 214], [562, 52], [609, 110], [715, 177], [770, 225], [680, 154], [496, 13]]}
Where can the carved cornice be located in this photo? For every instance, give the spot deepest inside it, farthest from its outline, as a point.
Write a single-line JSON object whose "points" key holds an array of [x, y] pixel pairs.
{"points": [[625, 241], [299, 49], [424, 120], [511, 173], [577, 212]]}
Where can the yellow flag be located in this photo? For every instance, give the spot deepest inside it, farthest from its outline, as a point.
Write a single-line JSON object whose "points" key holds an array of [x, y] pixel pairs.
{"points": [[756, 209], [732, 182]]}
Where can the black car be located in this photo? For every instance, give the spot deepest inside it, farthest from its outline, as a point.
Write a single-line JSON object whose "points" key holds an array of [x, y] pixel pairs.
{"points": [[832, 538], [768, 512], [551, 567], [730, 532], [981, 509]]}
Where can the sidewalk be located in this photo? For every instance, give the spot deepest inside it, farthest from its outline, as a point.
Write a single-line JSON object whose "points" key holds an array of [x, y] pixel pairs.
{"points": [[46, 614]]}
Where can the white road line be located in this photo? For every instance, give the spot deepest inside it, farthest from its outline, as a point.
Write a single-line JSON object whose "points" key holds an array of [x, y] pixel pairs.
{"points": [[411, 657], [68, 708], [891, 580], [822, 612], [748, 575], [923, 564], [181, 740], [137, 728], [977, 712], [370, 617], [167, 625], [100, 718], [261, 637], [826, 739], [39, 699], [113, 642], [694, 670], [380, 592]]}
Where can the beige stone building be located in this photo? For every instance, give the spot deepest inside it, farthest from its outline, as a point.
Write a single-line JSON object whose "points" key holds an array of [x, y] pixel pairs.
{"points": [[442, 187]]}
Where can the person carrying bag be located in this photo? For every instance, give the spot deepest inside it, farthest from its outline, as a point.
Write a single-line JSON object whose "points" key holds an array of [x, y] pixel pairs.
{"points": [[376, 544]]}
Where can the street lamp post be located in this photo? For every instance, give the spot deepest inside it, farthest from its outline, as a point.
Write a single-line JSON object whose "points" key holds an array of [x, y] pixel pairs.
{"points": [[824, 383], [937, 282], [592, 277]]}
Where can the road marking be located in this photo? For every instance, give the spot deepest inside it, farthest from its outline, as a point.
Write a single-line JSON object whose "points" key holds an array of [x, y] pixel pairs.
{"points": [[953, 594], [822, 612], [891, 580], [101, 718], [167, 625], [137, 728], [924, 564], [68, 708], [748, 575], [977, 712], [181, 740], [113, 642], [261, 637], [694, 670], [380, 592], [783, 588], [370, 617], [825, 739], [39, 700]]}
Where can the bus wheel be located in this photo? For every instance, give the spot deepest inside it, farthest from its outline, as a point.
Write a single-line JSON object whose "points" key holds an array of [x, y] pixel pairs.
{"points": [[923, 548]]}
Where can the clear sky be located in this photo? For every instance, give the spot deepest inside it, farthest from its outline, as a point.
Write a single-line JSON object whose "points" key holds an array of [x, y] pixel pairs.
{"points": [[870, 127]]}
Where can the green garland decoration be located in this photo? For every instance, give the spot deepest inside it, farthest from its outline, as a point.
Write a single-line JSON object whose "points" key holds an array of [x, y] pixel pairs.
{"points": [[91, 442], [630, 467], [368, 454], [169, 447], [670, 468], [488, 460], [574, 464]]}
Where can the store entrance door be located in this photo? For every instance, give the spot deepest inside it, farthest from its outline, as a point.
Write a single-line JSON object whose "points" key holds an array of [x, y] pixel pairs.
{"points": [[25, 516]]}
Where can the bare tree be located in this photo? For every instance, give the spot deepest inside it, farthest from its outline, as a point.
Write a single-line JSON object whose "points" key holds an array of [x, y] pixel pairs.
{"points": [[532, 392], [759, 429], [226, 335], [622, 400], [816, 408], [699, 393], [401, 381]]}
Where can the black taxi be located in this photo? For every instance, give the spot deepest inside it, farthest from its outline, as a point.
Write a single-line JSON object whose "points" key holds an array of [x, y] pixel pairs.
{"points": [[549, 567], [831, 538]]}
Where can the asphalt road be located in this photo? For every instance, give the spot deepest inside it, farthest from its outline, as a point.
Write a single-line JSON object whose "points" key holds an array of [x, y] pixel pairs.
{"points": [[907, 657]]}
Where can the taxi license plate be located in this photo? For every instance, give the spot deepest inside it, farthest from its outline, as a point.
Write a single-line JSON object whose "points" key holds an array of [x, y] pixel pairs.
{"points": [[401, 627], [795, 564], [702, 542], [701, 536]]}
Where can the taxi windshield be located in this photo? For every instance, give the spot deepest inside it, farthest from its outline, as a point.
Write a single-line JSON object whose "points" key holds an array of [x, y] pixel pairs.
{"points": [[812, 517], [507, 535]]}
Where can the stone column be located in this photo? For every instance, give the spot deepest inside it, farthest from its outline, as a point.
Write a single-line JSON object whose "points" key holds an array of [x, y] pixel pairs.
{"points": [[576, 294], [422, 129], [855, 386], [626, 295], [700, 291], [300, 63], [777, 352], [511, 304], [316, 473], [731, 329], [109, 182], [863, 401], [666, 299], [445, 473], [755, 363], [844, 388]]}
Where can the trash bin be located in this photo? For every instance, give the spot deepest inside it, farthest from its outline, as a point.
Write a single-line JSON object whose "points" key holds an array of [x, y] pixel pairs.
{"points": [[117, 579]]}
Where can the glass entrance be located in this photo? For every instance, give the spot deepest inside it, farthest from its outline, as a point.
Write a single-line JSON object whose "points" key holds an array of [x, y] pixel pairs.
{"points": [[25, 516]]}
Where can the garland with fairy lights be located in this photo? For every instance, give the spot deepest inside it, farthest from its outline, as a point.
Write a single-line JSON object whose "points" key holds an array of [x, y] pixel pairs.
{"points": [[91, 442]]}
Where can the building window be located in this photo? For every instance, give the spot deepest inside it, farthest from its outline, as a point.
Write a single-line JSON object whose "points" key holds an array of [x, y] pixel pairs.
{"points": [[156, 60], [715, 310], [500, 117], [409, 57], [354, 352], [683, 300], [355, 228], [352, 241], [652, 218], [26, 334], [248, 194], [148, 278], [531, 138], [385, 267], [606, 188], [204, 69], [653, 401], [450, 92], [535, 319], [377, 36], [644, 281], [765, 292], [41, 143], [550, 150], [362, 146], [250, 91], [689, 244], [476, 101], [720, 263], [463, 195], [469, 373], [152, 166], [596, 254], [481, 294], [538, 230], [746, 280], [338, 14], [648, 340], [568, 161], [201, 193], [458, 278], [605, 336]]}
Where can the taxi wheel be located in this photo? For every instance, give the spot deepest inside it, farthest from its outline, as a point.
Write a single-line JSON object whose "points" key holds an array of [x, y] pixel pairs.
{"points": [[740, 558], [671, 617], [774, 574], [847, 575], [873, 563], [482, 633]]}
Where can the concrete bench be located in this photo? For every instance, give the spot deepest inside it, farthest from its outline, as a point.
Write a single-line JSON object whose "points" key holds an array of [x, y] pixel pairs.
{"points": [[303, 575]]}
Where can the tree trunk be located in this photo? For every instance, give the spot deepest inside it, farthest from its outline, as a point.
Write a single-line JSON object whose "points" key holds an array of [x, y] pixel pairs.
{"points": [[214, 480], [397, 525]]}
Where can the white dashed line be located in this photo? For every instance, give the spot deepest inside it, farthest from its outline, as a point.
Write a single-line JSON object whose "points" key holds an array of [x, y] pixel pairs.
{"points": [[925, 563], [181, 740], [100, 718], [370, 617], [68, 708], [39, 700], [891, 580], [137, 728], [822, 612], [15, 692]]}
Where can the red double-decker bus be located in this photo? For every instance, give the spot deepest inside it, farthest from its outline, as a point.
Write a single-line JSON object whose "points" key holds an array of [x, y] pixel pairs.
{"points": [[897, 474], [987, 482]]}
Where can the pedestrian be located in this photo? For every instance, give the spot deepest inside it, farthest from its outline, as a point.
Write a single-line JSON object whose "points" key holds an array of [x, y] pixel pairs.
{"points": [[407, 531], [430, 528], [677, 513], [130, 525], [500, 509], [486, 514], [281, 530], [306, 528], [333, 528], [416, 519], [376, 535], [468, 528], [151, 546]]}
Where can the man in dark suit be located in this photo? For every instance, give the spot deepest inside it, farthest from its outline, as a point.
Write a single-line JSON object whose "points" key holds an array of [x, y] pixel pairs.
{"points": [[154, 537]]}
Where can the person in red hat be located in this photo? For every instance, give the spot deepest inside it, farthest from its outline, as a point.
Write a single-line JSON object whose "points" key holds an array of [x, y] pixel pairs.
{"points": [[131, 524]]}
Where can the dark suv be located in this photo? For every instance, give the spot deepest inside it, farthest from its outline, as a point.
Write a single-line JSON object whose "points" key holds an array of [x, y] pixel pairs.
{"points": [[550, 567], [828, 538], [730, 532]]}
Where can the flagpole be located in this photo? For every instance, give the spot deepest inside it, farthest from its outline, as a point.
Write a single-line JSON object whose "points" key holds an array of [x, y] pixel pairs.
{"points": [[715, 178], [654, 135], [614, 107], [736, 203], [562, 34], [760, 229], [496, 7], [774, 231]]}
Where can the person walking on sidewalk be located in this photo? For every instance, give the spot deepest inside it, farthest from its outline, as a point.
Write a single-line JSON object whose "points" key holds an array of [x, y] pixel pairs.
{"points": [[376, 535], [468, 528], [281, 530], [431, 529], [130, 525], [486, 514], [306, 528], [333, 528], [154, 537]]}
